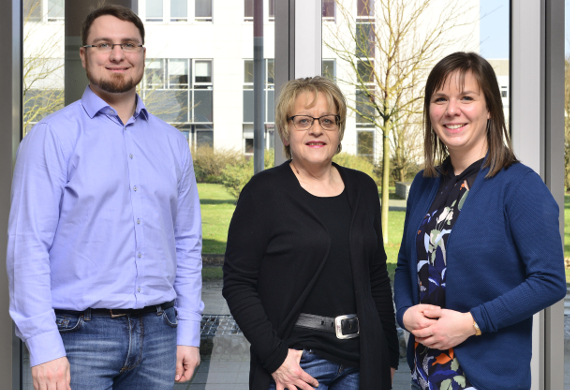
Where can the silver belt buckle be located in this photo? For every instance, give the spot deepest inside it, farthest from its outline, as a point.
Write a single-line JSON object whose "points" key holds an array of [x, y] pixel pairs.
{"points": [[338, 327]]}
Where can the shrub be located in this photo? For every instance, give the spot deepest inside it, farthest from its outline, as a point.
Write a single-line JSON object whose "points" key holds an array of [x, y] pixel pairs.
{"points": [[209, 163], [237, 174], [356, 162]]}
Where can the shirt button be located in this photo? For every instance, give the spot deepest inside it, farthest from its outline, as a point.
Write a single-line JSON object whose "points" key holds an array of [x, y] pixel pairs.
{"points": [[131, 156], [139, 255], [138, 221], [135, 188], [138, 289]]}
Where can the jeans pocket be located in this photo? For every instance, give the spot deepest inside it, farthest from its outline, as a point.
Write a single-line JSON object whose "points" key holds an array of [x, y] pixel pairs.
{"points": [[67, 322], [170, 317]]}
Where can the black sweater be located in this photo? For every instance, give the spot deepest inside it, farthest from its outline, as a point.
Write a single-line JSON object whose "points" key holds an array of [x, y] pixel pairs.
{"points": [[276, 249]]}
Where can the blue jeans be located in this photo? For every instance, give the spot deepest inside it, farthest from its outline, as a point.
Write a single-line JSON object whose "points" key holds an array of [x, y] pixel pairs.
{"points": [[329, 375], [128, 352]]}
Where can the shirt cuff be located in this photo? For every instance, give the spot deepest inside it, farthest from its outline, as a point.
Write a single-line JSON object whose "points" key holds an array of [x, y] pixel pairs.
{"points": [[188, 333], [45, 347]]}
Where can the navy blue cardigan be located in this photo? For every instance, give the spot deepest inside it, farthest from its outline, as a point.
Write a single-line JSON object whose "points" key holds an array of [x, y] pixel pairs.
{"points": [[505, 263]]}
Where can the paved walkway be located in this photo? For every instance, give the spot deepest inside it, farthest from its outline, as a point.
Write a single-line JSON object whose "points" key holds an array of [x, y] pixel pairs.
{"points": [[225, 351]]}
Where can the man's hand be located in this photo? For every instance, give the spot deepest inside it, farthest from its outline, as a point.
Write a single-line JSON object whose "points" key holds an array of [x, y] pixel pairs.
{"points": [[291, 376], [52, 375], [187, 359], [451, 329]]}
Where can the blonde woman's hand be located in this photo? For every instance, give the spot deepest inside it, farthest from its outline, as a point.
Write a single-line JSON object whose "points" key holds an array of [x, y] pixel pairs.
{"points": [[291, 376]]}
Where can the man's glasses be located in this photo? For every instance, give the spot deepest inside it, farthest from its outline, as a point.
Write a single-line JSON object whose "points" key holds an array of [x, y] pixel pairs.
{"points": [[304, 122], [107, 47]]}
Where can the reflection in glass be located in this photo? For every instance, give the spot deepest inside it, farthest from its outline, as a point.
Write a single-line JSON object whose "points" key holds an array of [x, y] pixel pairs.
{"points": [[154, 73], [154, 11], [203, 72], [55, 10], [32, 10], [203, 10], [178, 73], [178, 10]]}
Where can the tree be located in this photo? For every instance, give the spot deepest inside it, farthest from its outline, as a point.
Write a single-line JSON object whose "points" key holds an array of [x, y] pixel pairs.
{"points": [[42, 90], [389, 48]]}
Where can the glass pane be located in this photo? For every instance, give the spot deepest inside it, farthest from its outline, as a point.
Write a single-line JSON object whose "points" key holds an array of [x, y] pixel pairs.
{"points": [[365, 7], [205, 138], [178, 73], [203, 108], [365, 107], [328, 69], [55, 10], [271, 10], [270, 108], [365, 37], [154, 73], [248, 9], [204, 9], [154, 10], [32, 10], [365, 71], [248, 106], [248, 71], [203, 72], [365, 146], [328, 9], [178, 10], [270, 72], [170, 106]]}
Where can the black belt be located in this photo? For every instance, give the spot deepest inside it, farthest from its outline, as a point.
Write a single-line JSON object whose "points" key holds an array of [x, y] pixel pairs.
{"points": [[123, 312], [345, 327]]}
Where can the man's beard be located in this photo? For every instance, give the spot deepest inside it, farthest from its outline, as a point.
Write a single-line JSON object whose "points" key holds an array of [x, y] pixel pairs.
{"points": [[116, 84]]}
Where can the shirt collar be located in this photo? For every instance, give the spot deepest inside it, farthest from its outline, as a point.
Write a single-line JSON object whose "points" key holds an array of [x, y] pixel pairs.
{"points": [[93, 105]]}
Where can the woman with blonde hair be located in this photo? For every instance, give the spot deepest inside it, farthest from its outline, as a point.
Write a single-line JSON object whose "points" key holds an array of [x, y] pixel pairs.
{"points": [[305, 269]]}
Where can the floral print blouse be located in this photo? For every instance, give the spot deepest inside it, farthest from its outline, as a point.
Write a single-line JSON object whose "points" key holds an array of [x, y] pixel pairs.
{"points": [[435, 369]]}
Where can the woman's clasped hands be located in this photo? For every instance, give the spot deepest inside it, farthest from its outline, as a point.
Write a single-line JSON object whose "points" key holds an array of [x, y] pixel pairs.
{"points": [[438, 328]]}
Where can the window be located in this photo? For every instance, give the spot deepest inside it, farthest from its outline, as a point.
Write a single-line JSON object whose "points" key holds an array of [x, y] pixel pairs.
{"points": [[248, 97], [365, 144], [178, 10], [328, 69], [328, 10], [181, 100], [365, 107], [154, 11], [271, 9], [365, 71], [32, 10], [365, 39], [248, 10], [365, 8], [56, 11], [203, 10]]}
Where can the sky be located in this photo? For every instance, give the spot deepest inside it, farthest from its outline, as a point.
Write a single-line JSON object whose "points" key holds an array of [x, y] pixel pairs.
{"points": [[494, 28]]}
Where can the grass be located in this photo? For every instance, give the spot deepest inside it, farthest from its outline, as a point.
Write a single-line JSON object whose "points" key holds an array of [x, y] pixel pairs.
{"points": [[218, 206]]}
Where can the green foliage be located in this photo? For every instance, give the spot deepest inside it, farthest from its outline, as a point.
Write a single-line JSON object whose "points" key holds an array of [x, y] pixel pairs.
{"points": [[237, 174], [356, 162], [209, 163]]}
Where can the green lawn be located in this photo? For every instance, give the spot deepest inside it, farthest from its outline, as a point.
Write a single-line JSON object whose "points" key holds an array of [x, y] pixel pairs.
{"points": [[218, 206]]}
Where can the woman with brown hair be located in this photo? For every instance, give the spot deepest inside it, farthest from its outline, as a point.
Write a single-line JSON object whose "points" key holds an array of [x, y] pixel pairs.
{"points": [[481, 251]]}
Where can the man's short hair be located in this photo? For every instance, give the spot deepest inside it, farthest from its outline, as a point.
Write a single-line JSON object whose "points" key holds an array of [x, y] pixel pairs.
{"points": [[118, 11]]}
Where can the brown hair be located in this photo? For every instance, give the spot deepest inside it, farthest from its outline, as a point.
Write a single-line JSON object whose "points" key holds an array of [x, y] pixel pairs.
{"points": [[500, 154], [118, 11], [289, 93]]}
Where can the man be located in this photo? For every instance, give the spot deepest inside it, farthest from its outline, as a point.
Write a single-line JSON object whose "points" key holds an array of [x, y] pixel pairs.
{"points": [[105, 231]]}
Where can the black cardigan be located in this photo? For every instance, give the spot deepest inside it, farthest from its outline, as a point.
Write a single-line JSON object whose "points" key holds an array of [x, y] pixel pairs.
{"points": [[268, 274]]}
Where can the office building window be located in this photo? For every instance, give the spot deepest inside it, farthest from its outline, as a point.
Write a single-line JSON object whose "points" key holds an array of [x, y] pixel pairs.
{"points": [[203, 11], [178, 10], [328, 10]]}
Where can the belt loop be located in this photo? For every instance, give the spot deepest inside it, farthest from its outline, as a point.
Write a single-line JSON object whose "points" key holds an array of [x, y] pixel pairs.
{"points": [[159, 310], [87, 314]]}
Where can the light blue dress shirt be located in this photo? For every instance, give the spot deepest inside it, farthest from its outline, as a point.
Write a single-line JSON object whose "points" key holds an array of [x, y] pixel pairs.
{"points": [[103, 215]]}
